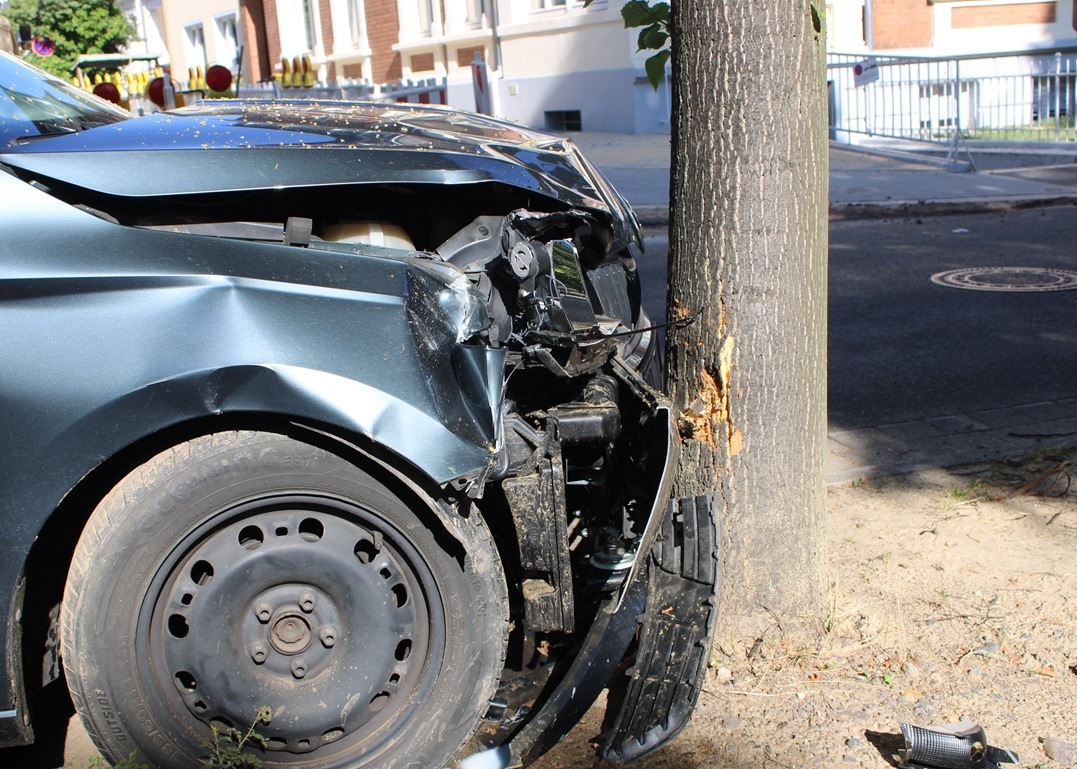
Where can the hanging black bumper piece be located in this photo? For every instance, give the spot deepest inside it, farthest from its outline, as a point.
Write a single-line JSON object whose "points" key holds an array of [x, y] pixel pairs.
{"points": [[674, 647]]}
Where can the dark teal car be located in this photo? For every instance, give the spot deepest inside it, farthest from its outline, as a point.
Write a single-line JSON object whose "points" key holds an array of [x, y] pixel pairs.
{"points": [[343, 410]]}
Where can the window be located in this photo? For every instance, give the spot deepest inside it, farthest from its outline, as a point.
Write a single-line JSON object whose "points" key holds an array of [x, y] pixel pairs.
{"points": [[475, 10], [195, 45], [564, 120], [297, 23], [308, 25], [541, 5], [426, 16], [355, 21], [226, 47]]}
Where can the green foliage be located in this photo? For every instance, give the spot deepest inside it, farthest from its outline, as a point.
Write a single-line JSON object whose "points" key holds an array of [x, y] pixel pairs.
{"points": [[653, 35], [131, 763], [226, 749], [76, 26], [228, 746]]}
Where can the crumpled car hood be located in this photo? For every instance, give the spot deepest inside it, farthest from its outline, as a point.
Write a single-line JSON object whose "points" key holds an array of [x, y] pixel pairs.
{"points": [[264, 145]]}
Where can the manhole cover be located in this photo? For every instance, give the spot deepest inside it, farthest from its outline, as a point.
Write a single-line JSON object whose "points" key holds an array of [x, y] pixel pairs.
{"points": [[1008, 279]]}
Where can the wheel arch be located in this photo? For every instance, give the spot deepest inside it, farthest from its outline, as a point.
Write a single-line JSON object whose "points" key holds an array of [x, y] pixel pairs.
{"points": [[33, 636]]}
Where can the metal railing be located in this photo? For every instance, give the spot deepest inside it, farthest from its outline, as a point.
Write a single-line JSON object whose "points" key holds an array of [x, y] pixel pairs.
{"points": [[1021, 96], [430, 91]]}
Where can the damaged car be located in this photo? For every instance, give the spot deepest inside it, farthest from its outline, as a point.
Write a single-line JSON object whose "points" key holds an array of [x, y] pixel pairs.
{"points": [[343, 411]]}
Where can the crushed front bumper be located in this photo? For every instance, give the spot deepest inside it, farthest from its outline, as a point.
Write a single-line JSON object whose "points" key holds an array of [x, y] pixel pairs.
{"points": [[650, 642]]}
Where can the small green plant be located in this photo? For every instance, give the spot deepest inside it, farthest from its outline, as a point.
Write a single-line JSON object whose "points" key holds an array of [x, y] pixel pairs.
{"points": [[226, 748], [958, 496], [229, 745], [97, 762]]}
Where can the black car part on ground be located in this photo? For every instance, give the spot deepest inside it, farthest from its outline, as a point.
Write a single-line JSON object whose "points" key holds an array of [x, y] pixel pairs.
{"points": [[951, 746], [447, 301]]}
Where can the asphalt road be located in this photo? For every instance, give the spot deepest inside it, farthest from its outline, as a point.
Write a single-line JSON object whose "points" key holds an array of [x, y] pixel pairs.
{"points": [[903, 348]]}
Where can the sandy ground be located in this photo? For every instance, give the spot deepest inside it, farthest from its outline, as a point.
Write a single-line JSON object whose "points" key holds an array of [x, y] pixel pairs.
{"points": [[951, 598]]}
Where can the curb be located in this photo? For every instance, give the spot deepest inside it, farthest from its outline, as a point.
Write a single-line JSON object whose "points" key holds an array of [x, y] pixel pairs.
{"points": [[1011, 432], [658, 216]]}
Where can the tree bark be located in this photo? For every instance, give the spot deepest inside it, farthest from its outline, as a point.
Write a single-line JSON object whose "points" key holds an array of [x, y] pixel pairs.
{"points": [[748, 245]]}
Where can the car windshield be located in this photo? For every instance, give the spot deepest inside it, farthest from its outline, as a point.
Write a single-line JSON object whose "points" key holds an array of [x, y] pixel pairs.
{"points": [[34, 103]]}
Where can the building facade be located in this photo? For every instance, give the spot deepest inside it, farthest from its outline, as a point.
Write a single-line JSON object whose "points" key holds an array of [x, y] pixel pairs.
{"points": [[187, 33], [949, 27], [550, 63]]}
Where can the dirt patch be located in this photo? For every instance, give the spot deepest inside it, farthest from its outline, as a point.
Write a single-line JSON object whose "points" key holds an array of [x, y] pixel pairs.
{"points": [[951, 598]]}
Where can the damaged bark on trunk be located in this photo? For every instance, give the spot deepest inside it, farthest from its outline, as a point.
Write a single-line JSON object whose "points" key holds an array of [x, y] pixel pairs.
{"points": [[748, 245]]}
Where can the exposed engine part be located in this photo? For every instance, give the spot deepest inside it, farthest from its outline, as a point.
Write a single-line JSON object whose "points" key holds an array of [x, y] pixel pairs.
{"points": [[537, 503], [594, 419], [297, 231], [478, 242]]}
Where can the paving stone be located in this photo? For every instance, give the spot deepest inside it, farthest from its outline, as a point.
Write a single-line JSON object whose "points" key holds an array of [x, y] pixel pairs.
{"points": [[957, 424], [910, 431], [1046, 429], [1045, 411], [999, 417]]}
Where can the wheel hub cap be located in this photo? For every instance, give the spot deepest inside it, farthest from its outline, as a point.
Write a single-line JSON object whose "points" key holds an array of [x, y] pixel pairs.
{"points": [[291, 634]]}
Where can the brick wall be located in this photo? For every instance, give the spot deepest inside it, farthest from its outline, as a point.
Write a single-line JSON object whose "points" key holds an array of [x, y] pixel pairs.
{"points": [[464, 56], [422, 62], [327, 26], [272, 28], [901, 24], [383, 27], [1003, 15], [257, 65]]}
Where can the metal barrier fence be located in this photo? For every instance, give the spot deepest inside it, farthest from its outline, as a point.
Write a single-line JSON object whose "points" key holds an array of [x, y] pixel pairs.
{"points": [[1021, 96], [430, 91]]}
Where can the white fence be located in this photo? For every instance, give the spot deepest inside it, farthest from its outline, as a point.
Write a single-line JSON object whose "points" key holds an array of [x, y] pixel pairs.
{"points": [[1025, 96], [431, 91]]}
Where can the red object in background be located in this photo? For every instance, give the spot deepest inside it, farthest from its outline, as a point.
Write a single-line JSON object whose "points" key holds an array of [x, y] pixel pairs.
{"points": [[218, 78], [107, 91], [156, 91], [43, 46]]}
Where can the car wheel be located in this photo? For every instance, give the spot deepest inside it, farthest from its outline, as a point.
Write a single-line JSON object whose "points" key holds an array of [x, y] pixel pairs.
{"points": [[247, 570]]}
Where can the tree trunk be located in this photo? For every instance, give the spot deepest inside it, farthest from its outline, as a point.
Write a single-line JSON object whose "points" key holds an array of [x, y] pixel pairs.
{"points": [[748, 245]]}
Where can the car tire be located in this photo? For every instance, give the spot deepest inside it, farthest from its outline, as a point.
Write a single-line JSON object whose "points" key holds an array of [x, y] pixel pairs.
{"points": [[245, 570]]}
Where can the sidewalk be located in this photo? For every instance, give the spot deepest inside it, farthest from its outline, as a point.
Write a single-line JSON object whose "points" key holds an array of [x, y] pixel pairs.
{"points": [[860, 183], [866, 185]]}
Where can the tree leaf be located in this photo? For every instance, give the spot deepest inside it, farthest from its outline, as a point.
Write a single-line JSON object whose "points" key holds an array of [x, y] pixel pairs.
{"points": [[636, 13], [660, 13], [656, 68], [641, 41], [654, 38]]}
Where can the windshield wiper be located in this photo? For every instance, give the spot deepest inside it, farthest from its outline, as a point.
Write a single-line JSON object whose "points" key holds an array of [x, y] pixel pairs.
{"points": [[50, 135]]}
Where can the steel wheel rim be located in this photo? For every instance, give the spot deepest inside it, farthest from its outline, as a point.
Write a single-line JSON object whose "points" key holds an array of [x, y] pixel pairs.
{"points": [[317, 607]]}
